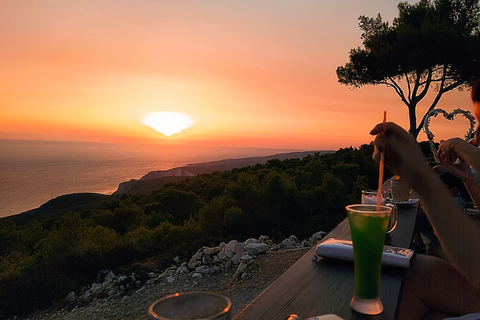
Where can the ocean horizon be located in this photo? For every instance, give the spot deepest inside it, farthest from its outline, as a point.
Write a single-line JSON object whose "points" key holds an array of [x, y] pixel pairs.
{"points": [[33, 172]]}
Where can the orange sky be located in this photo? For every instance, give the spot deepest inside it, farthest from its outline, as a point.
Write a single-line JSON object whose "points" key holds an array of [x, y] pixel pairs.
{"points": [[251, 73]]}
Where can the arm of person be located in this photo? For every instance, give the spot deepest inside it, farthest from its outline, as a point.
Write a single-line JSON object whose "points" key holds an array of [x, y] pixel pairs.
{"points": [[449, 149], [473, 188], [459, 237], [463, 172]]}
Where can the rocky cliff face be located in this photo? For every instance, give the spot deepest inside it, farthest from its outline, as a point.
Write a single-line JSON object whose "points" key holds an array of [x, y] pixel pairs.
{"points": [[126, 186], [175, 172]]}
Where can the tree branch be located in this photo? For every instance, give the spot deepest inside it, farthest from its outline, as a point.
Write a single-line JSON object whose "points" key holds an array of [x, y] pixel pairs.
{"points": [[393, 84], [437, 99], [426, 86]]}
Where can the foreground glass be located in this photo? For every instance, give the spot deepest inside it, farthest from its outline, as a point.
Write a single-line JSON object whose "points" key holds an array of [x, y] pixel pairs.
{"points": [[191, 305], [368, 228]]}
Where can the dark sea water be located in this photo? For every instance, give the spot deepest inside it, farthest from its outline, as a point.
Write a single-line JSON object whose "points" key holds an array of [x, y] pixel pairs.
{"points": [[33, 172]]}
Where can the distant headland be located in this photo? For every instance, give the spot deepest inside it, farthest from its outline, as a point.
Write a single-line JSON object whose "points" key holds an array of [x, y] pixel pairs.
{"points": [[155, 179]]}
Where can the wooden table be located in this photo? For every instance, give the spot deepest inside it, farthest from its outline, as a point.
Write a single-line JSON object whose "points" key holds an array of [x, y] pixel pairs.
{"points": [[311, 288]]}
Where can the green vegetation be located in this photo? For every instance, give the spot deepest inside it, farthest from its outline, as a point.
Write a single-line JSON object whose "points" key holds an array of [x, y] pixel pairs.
{"points": [[430, 45], [45, 259]]}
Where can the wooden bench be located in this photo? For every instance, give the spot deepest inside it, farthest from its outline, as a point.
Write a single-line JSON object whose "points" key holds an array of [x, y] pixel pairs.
{"points": [[311, 288]]}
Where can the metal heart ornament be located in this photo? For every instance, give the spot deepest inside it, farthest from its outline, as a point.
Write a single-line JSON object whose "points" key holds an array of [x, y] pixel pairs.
{"points": [[449, 116]]}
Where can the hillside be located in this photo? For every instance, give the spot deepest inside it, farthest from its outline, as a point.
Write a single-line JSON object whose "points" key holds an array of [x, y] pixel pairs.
{"points": [[54, 208], [155, 179]]}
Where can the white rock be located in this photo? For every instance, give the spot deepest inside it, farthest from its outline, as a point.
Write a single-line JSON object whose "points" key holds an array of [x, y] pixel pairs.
{"points": [[70, 297], [201, 269], [86, 295], [242, 268], [293, 239], [229, 248], [192, 263], [256, 248], [182, 270], [109, 277], [199, 254], [250, 240], [239, 248], [306, 244], [318, 235], [246, 257], [96, 287], [211, 251], [236, 258], [222, 256], [265, 239]]}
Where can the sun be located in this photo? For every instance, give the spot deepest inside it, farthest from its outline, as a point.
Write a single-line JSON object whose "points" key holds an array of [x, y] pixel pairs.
{"points": [[167, 122]]}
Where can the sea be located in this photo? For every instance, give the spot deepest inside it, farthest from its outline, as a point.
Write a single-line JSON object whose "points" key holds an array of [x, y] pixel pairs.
{"points": [[33, 172]]}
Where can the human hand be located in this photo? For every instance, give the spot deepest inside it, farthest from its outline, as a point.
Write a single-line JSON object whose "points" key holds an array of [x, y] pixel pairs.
{"points": [[402, 153], [461, 169], [447, 151]]}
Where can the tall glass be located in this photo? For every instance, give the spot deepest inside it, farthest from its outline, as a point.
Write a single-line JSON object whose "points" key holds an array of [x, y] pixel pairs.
{"points": [[368, 228]]}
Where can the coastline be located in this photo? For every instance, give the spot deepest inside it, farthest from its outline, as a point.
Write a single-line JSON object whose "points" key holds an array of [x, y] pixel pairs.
{"points": [[34, 172], [154, 179]]}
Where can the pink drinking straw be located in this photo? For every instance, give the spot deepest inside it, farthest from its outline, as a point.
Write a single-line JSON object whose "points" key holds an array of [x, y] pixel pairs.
{"points": [[382, 161]]}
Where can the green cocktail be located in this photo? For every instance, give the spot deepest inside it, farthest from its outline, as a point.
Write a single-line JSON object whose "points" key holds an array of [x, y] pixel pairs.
{"points": [[368, 228]]}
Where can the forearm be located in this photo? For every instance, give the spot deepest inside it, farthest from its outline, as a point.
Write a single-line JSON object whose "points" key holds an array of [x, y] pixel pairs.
{"points": [[473, 189], [459, 236], [469, 153]]}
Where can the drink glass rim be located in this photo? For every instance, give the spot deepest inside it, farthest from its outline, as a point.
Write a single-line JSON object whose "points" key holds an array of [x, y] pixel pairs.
{"points": [[153, 315], [368, 208]]}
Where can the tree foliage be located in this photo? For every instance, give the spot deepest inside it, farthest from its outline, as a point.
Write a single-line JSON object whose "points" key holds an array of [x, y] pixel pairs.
{"points": [[430, 45]]}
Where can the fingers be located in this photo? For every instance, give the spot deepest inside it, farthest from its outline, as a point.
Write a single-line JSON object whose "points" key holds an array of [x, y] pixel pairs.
{"points": [[446, 154], [379, 143]]}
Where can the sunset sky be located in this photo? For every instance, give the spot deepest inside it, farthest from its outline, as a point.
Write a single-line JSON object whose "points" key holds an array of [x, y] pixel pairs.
{"points": [[251, 73]]}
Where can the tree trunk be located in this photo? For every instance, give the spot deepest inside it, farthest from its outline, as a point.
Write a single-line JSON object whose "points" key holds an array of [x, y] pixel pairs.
{"points": [[413, 119]]}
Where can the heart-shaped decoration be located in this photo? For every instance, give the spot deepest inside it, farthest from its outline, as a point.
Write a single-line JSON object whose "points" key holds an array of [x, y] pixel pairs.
{"points": [[449, 116]]}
